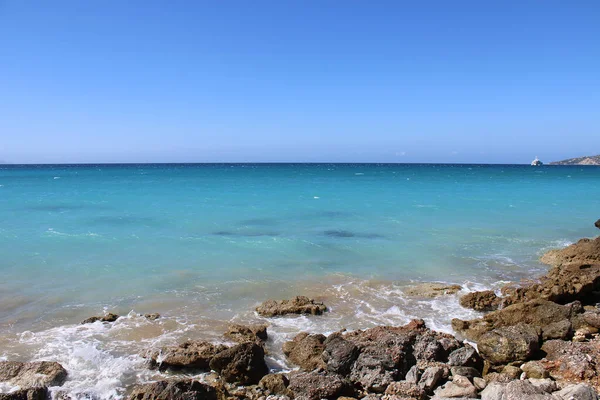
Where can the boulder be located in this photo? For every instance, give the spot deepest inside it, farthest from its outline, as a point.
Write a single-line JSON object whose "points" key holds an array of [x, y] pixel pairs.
{"points": [[577, 392], [573, 362], [339, 354], [434, 346], [430, 379], [190, 355], [431, 290], [459, 387], [38, 374], [297, 305], [110, 317], [306, 351], [413, 375], [585, 251], [242, 333], [319, 385], [546, 384], [592, 318], [469, 372], [508, 344], [481, 301], [514, 390], [535, 369], [558, 330], [466, 356], [26, 394], [275, 384], [174, 390], [243, 364], [404, 389]]}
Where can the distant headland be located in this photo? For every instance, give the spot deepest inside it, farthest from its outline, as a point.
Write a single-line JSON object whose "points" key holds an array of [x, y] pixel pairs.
{"points": [[586, 160]]}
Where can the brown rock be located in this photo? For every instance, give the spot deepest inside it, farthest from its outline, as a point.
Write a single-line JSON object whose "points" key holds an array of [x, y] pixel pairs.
{"points": [[298, 305], [26, 394], [481, 301], [243, 364], [110, 317], [319, 385], [242, 334], [38, 374], [191, 355], [152, 316], [460, 387], [404, 389], [535, 369], [585, 251], [306, 351], [174, 390], [572, 362], [431, 290], [508, 344], [275, 384]]}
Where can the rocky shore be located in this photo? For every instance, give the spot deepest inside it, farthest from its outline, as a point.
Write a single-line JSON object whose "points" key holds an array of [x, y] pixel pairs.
{"points": [[538, 340]]}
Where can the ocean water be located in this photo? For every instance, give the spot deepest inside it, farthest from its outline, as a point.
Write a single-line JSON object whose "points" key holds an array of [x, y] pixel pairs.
{"points": [[204, 244]]}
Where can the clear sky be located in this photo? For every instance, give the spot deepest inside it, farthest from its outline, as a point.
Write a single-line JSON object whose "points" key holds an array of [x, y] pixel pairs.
{"points": [[299, 80]]}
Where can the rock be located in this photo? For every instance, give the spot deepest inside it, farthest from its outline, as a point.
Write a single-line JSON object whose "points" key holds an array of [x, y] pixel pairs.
{"points": [[495, 377], [481, 301], [275, 384], [514, 390], [577, 392], [547, 385], [404, 389], [597, 224], [306, 351], [431, 290], [479, 383], [190, 355], [557, 330], [430, 378], [573, 362], [585, 251], [535, 369], [110, 317], [298, 305], [434, 346], [469, 372], [466, 356], [508, 344], [243, 364], [26, 394], [152, 316], [339, 354], [38, 374], [174, 390], [460, 387], [242, 334], [413, 375], [592, 318], [318, 385], [538, 313], [512, 372]]}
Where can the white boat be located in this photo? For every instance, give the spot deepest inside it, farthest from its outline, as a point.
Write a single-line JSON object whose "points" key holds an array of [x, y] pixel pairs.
{"points": [[536, 162]]}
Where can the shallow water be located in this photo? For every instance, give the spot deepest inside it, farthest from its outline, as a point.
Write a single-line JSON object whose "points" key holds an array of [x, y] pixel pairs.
{"points": [[204, 244]]}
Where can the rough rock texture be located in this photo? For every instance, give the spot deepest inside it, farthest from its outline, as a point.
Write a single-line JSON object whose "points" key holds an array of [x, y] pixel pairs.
{"points": [[276, 384], [110, 317], [174, 390], [431, 290], [38, 374], [510, 343], [192, 355], [297, 305], [318, 385], [26, 394], [515, 390], [243, 364], [576, 392], [558, 330], [306, 351], [242, 333], [585, 251], [459, 387], [538, 313], [404, 389], [431, 378], [339, 354], [535, 369], [481, 301], [573, 362], [466, 356]]}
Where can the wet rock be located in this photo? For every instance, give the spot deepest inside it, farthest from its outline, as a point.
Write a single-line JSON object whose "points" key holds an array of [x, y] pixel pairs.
{"points": [[26, 394], [242, 333], [558, 330], [535, 369], [577, 392], [275, 384], [404, 389], [509, 344], [174, 390], [242, 364], [573, 362], [319, 385], [110, 317], [460, 387], [431, 290], [430, 378], [339, 354], [538, 313], [306, 351], [190, 355], [38, 374], [481, 301], [297, 305], [466, 356], [152, 316]]}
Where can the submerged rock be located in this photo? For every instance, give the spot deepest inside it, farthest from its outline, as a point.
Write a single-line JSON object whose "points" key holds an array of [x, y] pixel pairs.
{"points": [[110, 317], [481, 301], [432, 289], [38, 374], [242, 333], [243, 364], [190, 355], [297, 305], [174, 390]]}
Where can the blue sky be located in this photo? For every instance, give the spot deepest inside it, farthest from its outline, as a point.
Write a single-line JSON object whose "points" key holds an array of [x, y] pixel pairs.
{"points": [[369, 81]]}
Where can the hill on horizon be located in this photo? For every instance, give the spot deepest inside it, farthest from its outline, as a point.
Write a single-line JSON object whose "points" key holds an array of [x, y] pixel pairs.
{"points": [[586, 160]]}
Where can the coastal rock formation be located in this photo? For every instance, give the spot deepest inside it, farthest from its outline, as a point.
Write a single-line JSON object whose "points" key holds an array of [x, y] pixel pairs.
{"points": [[319, 385], [191, 355], [38, 374], [26, 394], [481, 301], [573, 362], [585, 251], [243, 364], [339, 354], [586, 160], [431, 290], [306, 351], [276, 384], [110, 317], [174, 390], [242, 334], [297, 305], [509, 344]]}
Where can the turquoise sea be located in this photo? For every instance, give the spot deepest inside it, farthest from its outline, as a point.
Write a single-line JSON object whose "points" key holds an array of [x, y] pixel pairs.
{"points": [[203, 244]]}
